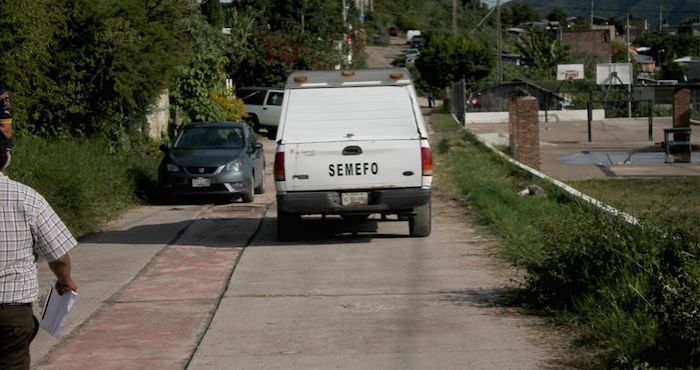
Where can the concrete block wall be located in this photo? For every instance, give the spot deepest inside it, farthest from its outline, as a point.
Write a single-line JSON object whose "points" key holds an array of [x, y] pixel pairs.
{"points": [[524, 130], [681, 108]]}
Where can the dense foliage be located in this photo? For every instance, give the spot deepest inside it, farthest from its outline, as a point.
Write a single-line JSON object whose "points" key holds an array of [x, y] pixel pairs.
{"points": [[271, 39], [90, 65], [541, 52], [451, 58]]}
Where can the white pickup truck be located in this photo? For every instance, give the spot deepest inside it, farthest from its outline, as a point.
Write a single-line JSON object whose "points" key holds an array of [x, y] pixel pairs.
{"points": [[263, 105], [352, 143]]}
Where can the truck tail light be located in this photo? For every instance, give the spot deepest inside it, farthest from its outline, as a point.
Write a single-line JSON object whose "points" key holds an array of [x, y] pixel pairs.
{"points": [[279, 166], [426, 157]]}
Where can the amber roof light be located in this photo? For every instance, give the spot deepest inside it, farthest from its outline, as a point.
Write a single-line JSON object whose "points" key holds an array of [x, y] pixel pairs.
{"points": [[347, 73], [396, 76], [300, 79]]}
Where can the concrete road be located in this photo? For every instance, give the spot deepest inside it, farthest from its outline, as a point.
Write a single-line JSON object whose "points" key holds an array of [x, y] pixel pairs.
{"points": [[209, 286], [370, 297], [382, 56]]}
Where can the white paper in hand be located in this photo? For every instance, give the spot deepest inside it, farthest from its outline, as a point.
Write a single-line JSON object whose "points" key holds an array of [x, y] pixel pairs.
{"points": [[56, 310]]}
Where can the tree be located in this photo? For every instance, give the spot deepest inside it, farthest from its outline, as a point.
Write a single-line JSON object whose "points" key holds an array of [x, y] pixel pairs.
{"points": [[559, 15], [517, 14], [116, 57], [90, 66], [205, 75], [28, 32], [540, 51], [272, 56], [450, 58], [213, 12]]}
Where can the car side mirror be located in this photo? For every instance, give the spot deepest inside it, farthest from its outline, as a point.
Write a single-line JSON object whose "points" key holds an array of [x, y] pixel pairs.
{"points": [[165, 148]]}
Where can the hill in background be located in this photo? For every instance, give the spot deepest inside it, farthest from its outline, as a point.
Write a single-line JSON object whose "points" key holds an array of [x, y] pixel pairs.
{"points": [[672, 11]]}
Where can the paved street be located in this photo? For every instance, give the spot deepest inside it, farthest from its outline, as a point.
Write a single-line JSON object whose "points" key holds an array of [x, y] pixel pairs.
{"points": [[209, 286]]}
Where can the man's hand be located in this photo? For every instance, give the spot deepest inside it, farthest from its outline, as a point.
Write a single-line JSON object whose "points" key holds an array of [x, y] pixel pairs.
{"points": [[64, 286], [61, 268]]}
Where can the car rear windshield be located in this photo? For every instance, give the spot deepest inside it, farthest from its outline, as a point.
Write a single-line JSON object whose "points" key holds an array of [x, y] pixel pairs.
{"points": [[350, 113], [210, 137]]}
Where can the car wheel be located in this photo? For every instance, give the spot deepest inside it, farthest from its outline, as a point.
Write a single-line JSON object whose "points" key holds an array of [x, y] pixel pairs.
{"points": [[248, 196], [271, 133], [420, 223], [260, 189], [286, 225]]}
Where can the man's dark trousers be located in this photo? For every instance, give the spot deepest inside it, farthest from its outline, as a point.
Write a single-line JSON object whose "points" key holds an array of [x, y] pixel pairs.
{"points": [[17, 329]]}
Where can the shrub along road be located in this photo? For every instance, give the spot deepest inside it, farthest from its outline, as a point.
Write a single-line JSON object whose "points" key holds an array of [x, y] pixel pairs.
{"points": [[209, 286]]}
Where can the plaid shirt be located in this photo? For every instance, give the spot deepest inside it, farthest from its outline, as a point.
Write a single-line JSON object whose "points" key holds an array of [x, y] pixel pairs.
{"points": [[28, 225]]}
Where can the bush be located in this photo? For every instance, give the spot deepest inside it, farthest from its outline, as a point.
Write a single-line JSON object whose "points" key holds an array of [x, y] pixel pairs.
{"points": [[635, 290], [83, 181], [233, 108]]}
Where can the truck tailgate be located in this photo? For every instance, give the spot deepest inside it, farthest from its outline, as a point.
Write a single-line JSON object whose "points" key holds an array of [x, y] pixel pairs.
{"points": [[353, 165]]}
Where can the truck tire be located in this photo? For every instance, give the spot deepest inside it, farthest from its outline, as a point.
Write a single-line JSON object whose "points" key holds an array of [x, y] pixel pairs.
{"points": [[254, 122], [420, 223], [286, 225]]}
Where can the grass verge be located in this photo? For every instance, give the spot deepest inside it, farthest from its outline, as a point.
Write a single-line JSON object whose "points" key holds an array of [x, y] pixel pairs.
{"points": [[83, 180], [633, 292], [674, 198]]}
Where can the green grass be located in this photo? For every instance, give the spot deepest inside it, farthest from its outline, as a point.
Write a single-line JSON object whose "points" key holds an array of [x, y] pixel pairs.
{"points": [[632, 292], [676, 199], [83, 180]]}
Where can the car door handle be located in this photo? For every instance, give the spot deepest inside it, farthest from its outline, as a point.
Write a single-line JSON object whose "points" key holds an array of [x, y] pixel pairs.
{"points": [[352, 150], [265, 108]]}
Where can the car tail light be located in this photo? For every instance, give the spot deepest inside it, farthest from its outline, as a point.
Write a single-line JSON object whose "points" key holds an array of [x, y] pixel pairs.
{"points": [[279, 166], [426, 157]]}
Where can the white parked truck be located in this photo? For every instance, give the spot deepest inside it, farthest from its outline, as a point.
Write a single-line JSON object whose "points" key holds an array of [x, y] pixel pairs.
{"points": [[352, 143]]}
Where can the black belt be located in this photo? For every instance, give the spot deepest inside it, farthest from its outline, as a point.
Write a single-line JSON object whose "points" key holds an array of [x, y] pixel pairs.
{"points": [[2, 305]]}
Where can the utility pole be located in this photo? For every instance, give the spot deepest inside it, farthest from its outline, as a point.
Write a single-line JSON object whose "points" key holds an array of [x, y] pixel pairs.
{"points": [[591, 14], [499, 58], [661, 18], [454, 17], [629, 86]]}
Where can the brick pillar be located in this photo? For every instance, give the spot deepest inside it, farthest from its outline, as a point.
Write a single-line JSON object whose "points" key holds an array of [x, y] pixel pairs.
{"points": [[512, 117], [681, 118], [681, 108], [525, 130]]}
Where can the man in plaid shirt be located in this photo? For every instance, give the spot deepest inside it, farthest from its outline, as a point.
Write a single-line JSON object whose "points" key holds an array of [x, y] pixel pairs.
{"points": [[28, 227]]}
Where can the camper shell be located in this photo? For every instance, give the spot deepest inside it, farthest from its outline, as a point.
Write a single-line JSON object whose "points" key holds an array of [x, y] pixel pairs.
{"points": [[352, 143]]}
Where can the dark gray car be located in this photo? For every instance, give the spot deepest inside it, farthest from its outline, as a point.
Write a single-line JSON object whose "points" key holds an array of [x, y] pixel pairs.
{"points": [[221, 158]]}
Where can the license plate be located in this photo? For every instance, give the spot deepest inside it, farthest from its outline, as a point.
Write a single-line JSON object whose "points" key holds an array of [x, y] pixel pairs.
{"points": [[201, 182], [353, 199]]}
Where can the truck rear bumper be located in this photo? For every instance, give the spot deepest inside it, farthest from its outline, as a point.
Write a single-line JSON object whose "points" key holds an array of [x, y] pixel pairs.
{"points": [[329, 202]]}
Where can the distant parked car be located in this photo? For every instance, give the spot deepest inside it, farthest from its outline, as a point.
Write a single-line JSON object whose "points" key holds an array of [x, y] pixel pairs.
{"points": [[417, 42], [379, 40], [474, 100], [410, 34], [219, 158], [393, 31]]}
